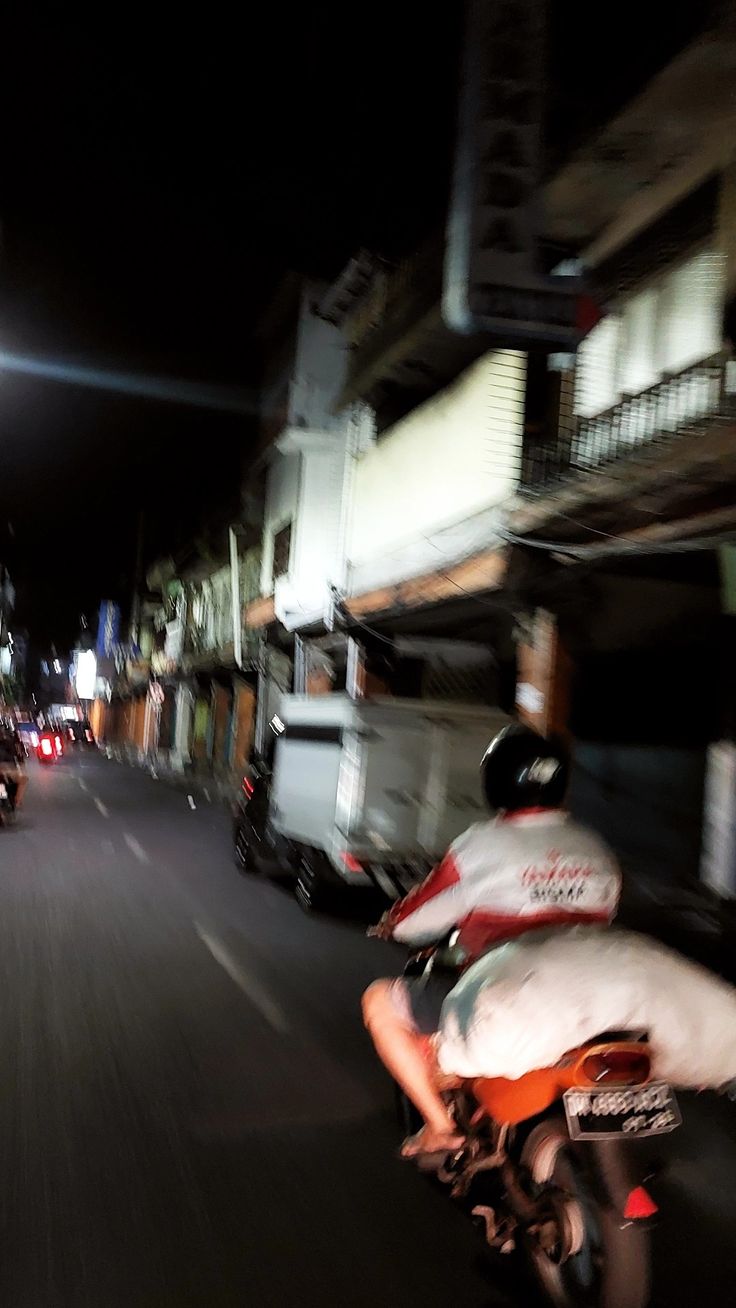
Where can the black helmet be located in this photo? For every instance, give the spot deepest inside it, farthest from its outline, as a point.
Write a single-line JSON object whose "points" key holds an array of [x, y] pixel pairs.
{"points": [[521, 769]]}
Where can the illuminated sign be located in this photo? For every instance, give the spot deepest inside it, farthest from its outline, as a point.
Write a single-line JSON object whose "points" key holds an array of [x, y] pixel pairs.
{"points": [[108, 629], [86, 674]]}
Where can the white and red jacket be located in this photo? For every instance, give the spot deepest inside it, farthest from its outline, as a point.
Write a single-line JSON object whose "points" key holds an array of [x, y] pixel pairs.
{"points": [[500, 878]]}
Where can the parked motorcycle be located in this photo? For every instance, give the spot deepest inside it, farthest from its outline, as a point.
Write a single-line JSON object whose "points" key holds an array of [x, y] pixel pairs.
{"points": [[551, 1171]]}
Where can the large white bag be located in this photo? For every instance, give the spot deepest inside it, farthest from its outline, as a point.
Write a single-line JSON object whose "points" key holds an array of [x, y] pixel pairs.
{"points": [[523, 1005]]}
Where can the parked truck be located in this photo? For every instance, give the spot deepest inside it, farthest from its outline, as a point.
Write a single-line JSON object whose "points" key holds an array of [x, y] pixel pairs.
{"points": [[363, 792]]}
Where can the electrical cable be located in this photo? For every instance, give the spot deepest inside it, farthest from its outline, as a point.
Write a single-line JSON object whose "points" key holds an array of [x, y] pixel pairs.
{"points": [[627, 547]]}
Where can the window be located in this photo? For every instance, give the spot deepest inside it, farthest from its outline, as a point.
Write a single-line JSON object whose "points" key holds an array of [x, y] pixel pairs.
{"points": [[281, 552]]}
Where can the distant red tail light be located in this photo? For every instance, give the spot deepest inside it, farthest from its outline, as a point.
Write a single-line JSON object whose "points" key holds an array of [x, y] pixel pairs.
{"points": [[248, 787], [57, 744], [88, 735]]}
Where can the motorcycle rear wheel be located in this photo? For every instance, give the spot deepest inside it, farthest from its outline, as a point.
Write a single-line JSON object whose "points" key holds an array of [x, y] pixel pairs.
{"points": [[612, 1268]]}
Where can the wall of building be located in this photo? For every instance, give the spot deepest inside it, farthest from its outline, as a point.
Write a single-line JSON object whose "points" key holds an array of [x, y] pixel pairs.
{"points": [[319, 369], [316, 548], [451, 458], [282, 500], [643, 721]]}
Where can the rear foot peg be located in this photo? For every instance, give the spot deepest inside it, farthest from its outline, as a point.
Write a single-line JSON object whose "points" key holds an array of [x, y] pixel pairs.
{"points": [[499, 1235]]}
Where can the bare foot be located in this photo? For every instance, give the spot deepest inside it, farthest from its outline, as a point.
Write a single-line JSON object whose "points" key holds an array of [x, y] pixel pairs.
{"points": [[431, 1141]]}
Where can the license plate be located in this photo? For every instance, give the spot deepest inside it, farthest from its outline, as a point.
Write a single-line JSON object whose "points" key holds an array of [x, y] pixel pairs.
{"points": [[3, 790], [599, 1114]]}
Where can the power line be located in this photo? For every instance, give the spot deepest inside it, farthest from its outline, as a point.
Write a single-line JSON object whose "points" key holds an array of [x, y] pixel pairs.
{"points": [[626, 546]]}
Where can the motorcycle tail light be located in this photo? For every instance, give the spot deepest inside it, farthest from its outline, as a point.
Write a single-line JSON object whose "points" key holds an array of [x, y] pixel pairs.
{"points": [[350, 862], [639, 1205], [617, 1066]]}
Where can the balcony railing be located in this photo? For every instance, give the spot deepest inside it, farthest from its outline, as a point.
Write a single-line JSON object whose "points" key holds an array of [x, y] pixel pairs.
{"points": [[683, 401]]}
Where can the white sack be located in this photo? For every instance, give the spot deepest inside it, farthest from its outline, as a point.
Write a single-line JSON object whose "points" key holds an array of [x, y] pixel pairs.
{"points": [[525, 1004]]}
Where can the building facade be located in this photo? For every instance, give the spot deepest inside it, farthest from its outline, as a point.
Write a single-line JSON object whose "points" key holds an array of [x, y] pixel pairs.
{"points": [[553, 508]]}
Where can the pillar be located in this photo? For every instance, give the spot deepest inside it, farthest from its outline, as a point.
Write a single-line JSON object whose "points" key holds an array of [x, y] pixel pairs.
{"points": [[245, 704], [543, 676], [726, 227]]}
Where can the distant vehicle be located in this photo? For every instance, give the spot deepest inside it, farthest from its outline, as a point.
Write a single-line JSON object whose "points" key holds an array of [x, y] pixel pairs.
{"points": [[80, 733], [362, 792], [11, 756], [7, 805], [47, 750]]}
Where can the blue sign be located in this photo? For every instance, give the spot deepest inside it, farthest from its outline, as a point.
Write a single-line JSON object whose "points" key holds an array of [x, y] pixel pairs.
{"points": [[108, 629]]}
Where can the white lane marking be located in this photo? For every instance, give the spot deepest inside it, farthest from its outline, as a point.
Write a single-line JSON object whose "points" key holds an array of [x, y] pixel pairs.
{"points": [[82, 784], [136, 848], [207, 795], [192, 804], [251, 988], [101, 808]]}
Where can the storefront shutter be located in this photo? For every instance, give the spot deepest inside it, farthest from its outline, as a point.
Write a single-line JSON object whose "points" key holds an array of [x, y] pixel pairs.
{"points": [[638, 342], [596, 369]]}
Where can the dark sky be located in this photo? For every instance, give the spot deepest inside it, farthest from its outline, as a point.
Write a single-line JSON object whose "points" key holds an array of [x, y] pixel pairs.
{"points": [[157, 181], [159, 174]]}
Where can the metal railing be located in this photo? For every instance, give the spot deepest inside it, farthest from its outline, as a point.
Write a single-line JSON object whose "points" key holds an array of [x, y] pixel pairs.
{"points": [[680, 402]]}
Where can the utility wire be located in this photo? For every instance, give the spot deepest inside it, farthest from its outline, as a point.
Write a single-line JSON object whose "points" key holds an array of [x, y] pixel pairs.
{"points": [[626, 545]]}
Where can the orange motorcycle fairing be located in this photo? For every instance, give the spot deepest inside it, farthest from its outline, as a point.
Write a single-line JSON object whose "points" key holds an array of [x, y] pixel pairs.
{"points": [[610, 1063]]}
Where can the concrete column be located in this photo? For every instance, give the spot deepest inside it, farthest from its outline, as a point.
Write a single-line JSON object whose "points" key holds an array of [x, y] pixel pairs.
{"points": [[543, 676], [726, 225], [718, 859], [183, 728]]}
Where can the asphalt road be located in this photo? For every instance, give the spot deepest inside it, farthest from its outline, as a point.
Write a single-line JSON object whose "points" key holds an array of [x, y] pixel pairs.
{"points": [[190, 1113]]}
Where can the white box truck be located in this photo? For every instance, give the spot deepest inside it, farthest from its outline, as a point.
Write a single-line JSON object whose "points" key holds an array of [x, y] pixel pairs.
{"points": [[372, 790]]}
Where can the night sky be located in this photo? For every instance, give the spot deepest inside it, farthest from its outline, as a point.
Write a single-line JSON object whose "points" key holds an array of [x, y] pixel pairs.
{"points": [[159, 176]]}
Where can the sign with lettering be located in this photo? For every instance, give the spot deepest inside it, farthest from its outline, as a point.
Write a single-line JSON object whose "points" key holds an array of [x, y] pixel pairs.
{"points": [[494, 281]]}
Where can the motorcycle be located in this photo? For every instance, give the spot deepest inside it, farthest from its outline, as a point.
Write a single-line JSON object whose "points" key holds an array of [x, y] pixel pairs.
{"points": [[49, 747], [550, 1170], [7, 800]]}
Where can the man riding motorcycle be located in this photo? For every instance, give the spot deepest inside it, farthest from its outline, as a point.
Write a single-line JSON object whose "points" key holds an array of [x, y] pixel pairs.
{"points": [[12, 760], [531, 867]]}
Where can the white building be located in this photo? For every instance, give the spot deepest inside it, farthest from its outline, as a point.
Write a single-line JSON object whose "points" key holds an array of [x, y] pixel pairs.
{"points": [[309, 469], [352, 509]]}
